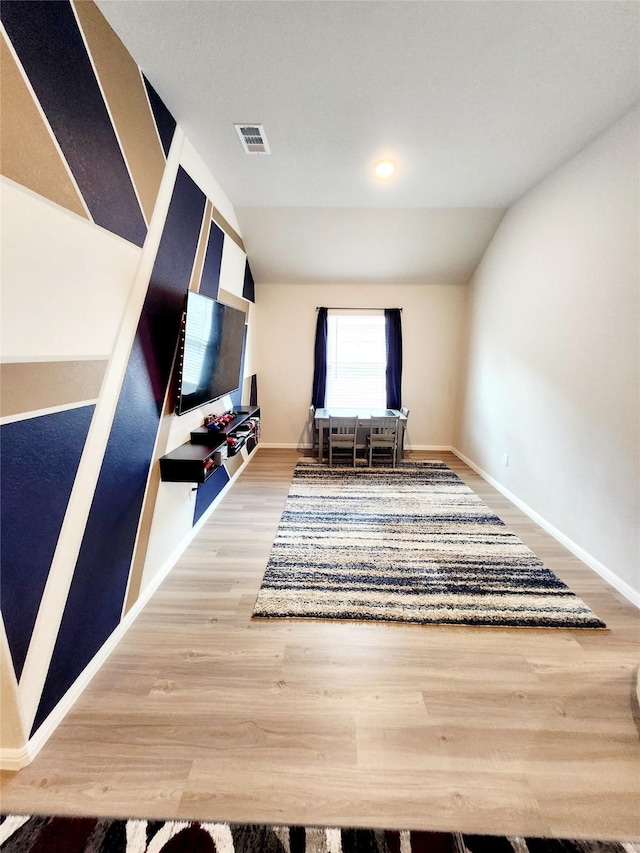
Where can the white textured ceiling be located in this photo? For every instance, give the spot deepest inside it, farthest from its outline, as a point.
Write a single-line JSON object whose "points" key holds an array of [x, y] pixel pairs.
{"points": [[475, 100]]}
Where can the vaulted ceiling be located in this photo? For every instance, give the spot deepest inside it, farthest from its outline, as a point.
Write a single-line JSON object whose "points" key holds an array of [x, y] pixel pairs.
{"points": [[475, 101]]}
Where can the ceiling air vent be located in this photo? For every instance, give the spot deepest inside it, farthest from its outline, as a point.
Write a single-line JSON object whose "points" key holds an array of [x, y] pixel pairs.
{"points": [[253, 138]]}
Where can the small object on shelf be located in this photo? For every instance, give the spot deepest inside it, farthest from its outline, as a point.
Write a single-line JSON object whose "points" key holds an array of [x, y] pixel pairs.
{"points": [[219, 422], [220, 456], [256, 428], [234, 443]]}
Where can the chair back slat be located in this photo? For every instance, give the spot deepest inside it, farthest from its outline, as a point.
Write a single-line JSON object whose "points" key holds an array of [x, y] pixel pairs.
{"points": [[343, 426], [343, 432], [384, 426], [383, 435]]}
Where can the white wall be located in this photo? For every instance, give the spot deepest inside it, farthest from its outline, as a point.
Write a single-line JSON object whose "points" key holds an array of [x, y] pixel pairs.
{"points": [[13, 728], [432, 321], [67, 298], [551, 371]]}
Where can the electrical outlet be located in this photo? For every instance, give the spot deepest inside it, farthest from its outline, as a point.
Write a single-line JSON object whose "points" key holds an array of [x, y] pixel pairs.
{"points": [[505, 460]]}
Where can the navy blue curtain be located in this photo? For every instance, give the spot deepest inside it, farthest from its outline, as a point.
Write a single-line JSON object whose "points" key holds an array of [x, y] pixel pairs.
{"points": [[320, 360], [393, 332]]}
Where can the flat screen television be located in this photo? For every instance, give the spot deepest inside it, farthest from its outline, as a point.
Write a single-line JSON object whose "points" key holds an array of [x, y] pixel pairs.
{"points": [[210, 353]]}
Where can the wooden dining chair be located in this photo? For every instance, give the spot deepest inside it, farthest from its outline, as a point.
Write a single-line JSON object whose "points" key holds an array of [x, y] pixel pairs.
{"points": [[383, 435], [343, 433]]}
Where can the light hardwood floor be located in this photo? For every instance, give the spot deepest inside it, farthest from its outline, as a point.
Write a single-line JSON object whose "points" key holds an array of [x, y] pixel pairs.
{"points": [[203, 713]]}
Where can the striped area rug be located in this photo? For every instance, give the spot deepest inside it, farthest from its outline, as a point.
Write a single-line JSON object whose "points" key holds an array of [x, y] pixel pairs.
{"points": [[40, 834], [410, 544]]}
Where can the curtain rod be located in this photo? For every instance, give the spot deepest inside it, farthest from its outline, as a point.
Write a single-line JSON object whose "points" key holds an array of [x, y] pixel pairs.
{"points": [[359, 308]]}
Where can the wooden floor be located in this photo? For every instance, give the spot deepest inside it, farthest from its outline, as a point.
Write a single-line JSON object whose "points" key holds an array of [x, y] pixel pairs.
{"points": [[202, 713]]}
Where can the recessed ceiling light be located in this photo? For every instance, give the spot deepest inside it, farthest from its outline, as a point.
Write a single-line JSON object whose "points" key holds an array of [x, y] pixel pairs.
{"points": [[384, 169]]}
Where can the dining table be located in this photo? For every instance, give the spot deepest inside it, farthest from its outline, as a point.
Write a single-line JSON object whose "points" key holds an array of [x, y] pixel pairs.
{"points": [[322, 415]]}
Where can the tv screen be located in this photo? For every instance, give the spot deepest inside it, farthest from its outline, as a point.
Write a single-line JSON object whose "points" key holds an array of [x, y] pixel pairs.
{"points": [[210, 353]]}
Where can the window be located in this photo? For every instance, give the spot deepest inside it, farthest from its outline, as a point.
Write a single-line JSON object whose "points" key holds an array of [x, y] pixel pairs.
{"points": [[356, 360], [358, 364]]}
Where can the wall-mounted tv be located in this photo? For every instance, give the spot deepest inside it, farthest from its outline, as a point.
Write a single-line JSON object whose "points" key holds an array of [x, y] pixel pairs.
{"points": [[210, 354]]}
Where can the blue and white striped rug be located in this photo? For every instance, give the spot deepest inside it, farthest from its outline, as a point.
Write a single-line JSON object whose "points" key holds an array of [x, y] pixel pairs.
{"points": [[42, 834], [410, 544]]}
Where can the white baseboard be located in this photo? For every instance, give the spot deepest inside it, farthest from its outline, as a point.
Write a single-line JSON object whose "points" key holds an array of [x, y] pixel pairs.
{"points": [[16, 758], [434, 448], [599, 568], [439, 448], [286, 445]]}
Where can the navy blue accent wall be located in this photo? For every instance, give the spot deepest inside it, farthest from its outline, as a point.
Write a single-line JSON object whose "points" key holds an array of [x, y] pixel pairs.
{"points": [[236, 396], [208, 491], [249, 287], [49, 44], [94, 605], [165, 122], [40, 458], [210, 281]]}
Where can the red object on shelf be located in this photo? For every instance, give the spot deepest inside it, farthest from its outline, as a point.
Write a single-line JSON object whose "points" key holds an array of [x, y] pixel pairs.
{"points": [[219, 421]]}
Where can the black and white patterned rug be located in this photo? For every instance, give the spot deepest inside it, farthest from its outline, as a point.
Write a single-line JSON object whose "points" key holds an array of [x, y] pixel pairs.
{"points": [[41, 834], [410, 544]]}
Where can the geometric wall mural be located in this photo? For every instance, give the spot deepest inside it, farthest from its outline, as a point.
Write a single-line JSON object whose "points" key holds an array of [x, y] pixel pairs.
{"points": [[210, 280], [249, 288], [47, 40], [40, 457], [96, 597], [165, 122], [209, 491], [82, 129]]}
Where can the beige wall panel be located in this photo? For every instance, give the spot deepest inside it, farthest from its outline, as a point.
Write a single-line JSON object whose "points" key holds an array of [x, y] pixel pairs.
{"points": [[219, 219], [233, 300], [196, 275], [149, 507], [28, 154], [30, 386], [144, 534], [127, 100]]}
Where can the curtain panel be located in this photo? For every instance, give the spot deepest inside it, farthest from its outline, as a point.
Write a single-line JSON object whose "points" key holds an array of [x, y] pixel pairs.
{"points": [[319, 389], [393, 335], [393, 331]]}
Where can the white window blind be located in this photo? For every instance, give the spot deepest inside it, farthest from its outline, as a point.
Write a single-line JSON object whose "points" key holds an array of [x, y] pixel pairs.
{"points": [[200, 320], [356, 360]]}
